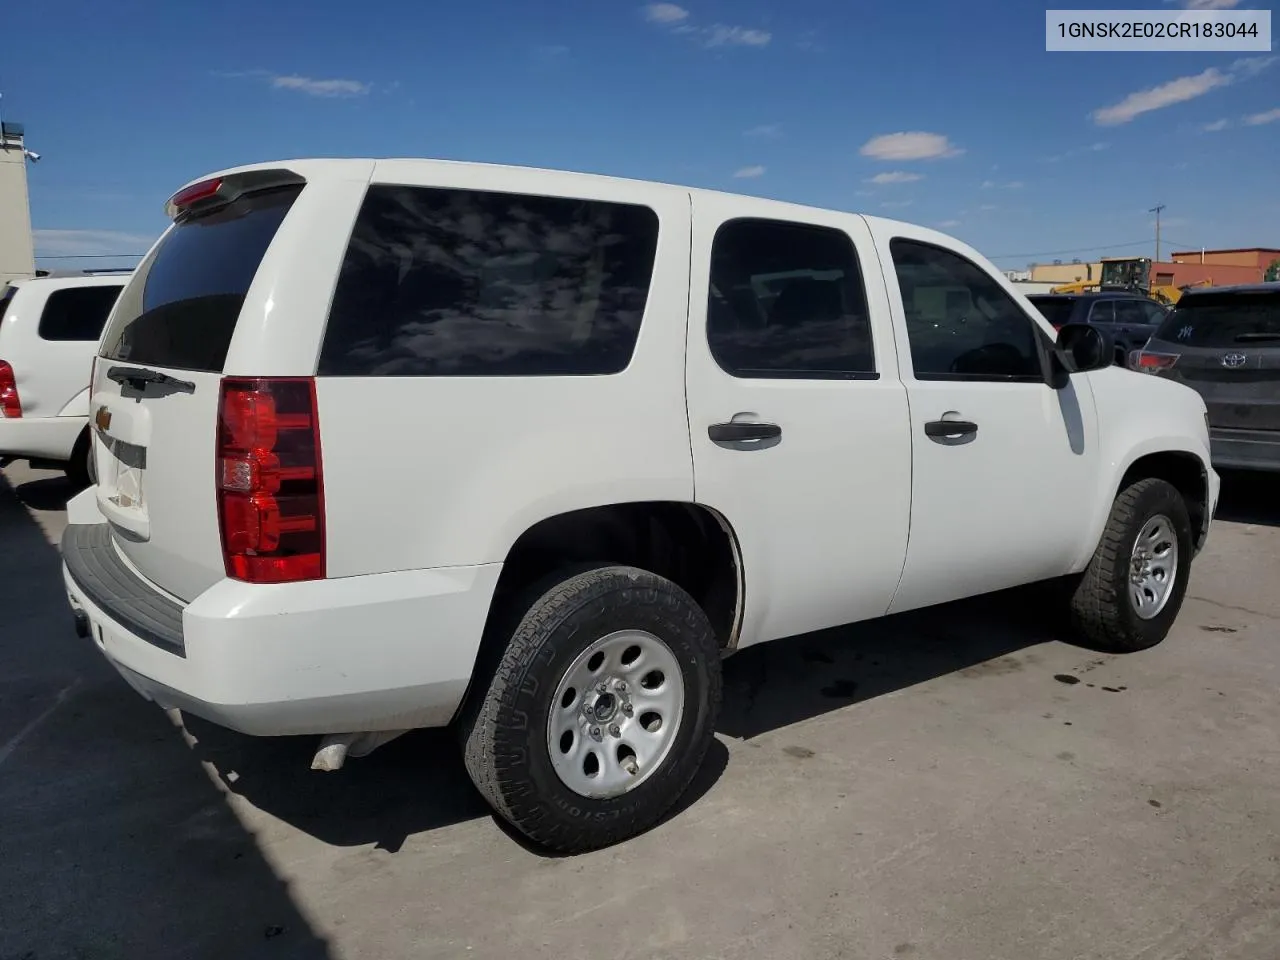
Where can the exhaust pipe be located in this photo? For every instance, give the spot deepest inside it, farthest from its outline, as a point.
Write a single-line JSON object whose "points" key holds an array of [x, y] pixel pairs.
{"points": [[336, 747]]}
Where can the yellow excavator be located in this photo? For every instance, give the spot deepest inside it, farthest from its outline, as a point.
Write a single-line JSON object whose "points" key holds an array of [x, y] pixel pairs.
{"points": [[1132, 274]]}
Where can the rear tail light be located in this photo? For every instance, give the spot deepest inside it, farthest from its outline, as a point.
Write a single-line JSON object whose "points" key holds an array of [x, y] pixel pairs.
{"points": [[10, 404], [269, 480], [1153, 362]]}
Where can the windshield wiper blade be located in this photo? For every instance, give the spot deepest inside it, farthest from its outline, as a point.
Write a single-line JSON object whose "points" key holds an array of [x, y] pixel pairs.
{"points": [[1256, 337], [139, 377]]}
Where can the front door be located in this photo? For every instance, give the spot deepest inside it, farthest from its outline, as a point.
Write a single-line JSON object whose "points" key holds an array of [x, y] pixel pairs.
{"points": [[798, 420], [1003, 466]]}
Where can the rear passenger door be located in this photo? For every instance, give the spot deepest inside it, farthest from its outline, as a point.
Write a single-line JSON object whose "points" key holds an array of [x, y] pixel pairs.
{"points": [[798, 421], [1003, 466]]}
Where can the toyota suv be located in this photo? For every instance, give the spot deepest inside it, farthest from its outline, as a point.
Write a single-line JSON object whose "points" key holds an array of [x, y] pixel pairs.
{"points": [[1224, 342], [406, 443]]}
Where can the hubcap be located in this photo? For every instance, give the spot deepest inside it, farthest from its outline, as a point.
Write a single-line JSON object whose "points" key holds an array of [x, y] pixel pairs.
{"points": [[615, 714], [1153, 567]]}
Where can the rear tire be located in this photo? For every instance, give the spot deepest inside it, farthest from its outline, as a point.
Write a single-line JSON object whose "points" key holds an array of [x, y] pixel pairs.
{"points": [[1132, 590], [77, 468], [563, 693]]}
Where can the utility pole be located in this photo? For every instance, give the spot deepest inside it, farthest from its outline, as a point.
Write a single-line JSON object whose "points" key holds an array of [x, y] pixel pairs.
{"points": [[1156, 210]]}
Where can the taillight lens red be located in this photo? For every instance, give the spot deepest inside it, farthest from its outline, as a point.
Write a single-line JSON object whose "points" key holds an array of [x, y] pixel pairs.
{"points": [[192, 194], [1154, 362], [10, 403], [269, 480]]}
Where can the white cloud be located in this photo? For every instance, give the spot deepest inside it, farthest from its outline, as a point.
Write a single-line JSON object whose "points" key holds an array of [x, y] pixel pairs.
{"points": [[769, 131], [1009, 185], [988, 207], [1216, 126], [665, 13], [747, 173], [92, 243], [1267, 116], [912, 145], [1206, 4], [1179, 91], [896, 204], [550, 51], [321, 88], [722, 36], [896, 176], [945, 224]]}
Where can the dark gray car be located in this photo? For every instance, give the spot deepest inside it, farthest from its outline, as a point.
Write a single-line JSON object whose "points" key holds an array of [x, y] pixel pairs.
{"points": [[1225, 343], [1129, 318]]}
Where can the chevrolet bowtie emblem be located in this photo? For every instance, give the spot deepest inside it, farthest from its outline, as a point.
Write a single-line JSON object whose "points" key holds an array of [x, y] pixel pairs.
{"points": [[102, 419]]}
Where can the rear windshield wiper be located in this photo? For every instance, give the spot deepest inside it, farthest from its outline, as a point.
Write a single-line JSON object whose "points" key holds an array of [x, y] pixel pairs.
{"points": [[1256, 337], [139, 377]]}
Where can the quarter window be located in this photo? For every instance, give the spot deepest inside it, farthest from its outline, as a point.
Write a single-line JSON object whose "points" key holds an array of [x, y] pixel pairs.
{"points": [[787, 300], [961, 325], [442, 282], [77, 313]]}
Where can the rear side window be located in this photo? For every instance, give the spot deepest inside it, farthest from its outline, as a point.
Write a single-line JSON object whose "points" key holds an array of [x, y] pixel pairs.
{"points": [[77, 313], [1057, 310], [465, 283], [1224, 320], [786, 300], [195, 284]]}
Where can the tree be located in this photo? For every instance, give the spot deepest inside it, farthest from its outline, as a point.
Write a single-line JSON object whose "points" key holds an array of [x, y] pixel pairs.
{"points": [[1273, 272]]}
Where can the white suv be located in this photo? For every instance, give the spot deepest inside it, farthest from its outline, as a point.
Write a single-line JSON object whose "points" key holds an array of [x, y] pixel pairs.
{"points": [[49, 330], [404, 443]]}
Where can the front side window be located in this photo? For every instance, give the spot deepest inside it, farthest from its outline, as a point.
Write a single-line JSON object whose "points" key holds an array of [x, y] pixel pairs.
{"points": [[446, 282], [961, 325], [77, 313], [786, 300]]}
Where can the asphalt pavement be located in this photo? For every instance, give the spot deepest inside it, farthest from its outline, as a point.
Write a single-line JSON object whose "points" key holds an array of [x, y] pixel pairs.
{"points": [[958, 784]]}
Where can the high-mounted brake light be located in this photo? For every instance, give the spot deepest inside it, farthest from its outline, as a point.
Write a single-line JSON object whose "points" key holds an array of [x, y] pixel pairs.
{"points": [[1154, 362], [184, 198], [269, 480], [10, 403]]}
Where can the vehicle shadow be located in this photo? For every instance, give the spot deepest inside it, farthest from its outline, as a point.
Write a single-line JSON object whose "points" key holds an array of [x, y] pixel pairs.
{"points": [[47, 493], [1249, 496], [114, 842], [417, 782]]}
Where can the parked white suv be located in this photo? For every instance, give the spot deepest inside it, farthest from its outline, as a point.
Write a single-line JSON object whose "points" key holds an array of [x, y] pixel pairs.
{"points": [[403, 443], [49, 330]]}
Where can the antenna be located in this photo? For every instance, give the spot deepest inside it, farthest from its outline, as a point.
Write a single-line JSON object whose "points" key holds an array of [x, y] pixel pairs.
{"points": [[1156, 210]]}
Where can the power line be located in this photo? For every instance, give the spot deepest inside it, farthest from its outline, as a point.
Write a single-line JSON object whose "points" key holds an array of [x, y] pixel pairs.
{"points": [[1051, 253]]}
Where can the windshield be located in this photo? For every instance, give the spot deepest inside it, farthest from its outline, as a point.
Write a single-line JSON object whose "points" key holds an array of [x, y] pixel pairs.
{"points": [[1224, 320], [1057, 310]]}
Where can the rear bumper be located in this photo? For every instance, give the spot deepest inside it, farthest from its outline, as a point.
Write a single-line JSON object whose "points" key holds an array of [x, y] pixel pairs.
{"points": [[387, 652], [40, 438], [1245, 449]]}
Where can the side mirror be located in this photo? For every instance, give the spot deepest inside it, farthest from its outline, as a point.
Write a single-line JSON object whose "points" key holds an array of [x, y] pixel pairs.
{"points": [[1082, 347]]}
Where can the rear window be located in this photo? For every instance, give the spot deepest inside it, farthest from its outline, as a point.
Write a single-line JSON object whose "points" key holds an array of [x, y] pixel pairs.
{"points": [[194, 286], [1224, 320], [440, 282], [77, 313], [1055, 309]]}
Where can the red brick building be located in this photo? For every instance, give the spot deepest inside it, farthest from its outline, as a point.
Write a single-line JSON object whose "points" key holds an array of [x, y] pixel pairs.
{"points": [[1222, 267]]}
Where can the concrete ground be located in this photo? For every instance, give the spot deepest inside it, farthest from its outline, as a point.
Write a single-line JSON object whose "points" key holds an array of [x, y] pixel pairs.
{"points": [[956, 785]]}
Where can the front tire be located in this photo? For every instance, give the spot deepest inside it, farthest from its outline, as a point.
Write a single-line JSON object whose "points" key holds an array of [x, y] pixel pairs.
{"points": [[600, 711], [1132, 590]]}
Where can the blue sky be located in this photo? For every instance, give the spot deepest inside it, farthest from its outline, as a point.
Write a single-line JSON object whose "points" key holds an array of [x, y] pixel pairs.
{"points": [[942, 113]]}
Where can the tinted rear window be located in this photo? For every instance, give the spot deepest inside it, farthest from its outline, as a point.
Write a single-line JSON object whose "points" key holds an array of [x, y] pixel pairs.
{"points": [[1224, 320], [440, 282], [77, 313], [194, 286], [1055, 309]]}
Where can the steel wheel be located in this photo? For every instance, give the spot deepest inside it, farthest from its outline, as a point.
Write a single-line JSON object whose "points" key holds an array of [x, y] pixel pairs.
{"points": [[615, 715], [1153, 567]]}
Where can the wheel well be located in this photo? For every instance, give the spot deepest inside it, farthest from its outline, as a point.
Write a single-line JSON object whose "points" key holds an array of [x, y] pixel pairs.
{"points": [[690, 545], [1186, 473]]}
